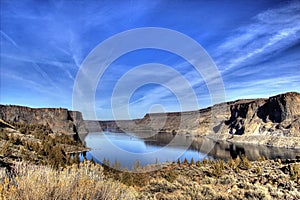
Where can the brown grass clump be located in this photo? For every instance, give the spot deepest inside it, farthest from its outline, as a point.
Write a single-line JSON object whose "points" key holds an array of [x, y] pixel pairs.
{"points": [[186, 162], [85, 181], [133, 179], [295, 172], [232, 164], [5, 149], [245, 164], [218, 168], [170, 176], [239, 163], [261, 158]]}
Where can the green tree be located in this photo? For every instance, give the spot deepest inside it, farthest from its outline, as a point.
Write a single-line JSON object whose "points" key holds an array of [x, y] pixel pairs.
{"points": [[192, 161], [57, 157], [186, 162], [178, 161]]}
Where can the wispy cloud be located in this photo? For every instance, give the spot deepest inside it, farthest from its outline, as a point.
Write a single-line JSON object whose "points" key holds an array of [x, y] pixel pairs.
{"points": [[270, 31], [9, 39], [43, 44]]}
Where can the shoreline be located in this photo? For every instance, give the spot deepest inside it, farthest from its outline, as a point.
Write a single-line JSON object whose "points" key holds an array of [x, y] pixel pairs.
{"points": [[267, 141], [259, 140]]}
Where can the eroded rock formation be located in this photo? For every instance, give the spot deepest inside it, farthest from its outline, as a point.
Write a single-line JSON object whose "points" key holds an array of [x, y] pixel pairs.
{"points": [[276, 116], [60, 120]]}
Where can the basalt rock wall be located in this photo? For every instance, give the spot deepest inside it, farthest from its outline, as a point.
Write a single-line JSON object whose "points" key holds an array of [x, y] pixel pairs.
{"points": [[275, 116], [60, 120]]}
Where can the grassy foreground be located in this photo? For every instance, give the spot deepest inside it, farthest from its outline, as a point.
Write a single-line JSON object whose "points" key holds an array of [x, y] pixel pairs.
{"points": [[83, 181], [36, 164], [236, 179]]}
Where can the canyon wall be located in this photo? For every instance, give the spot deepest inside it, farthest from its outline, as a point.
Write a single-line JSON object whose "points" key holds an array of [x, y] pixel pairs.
{"points": [[60, 120], [275, 116], [278, 115]]}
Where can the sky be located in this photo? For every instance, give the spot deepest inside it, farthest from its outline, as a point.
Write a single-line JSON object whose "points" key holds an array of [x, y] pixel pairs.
{"points": [[255, 46]]}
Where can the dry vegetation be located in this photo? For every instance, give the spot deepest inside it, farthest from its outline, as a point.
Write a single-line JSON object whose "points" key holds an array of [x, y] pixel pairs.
{"points": [[83, 181], [235, 179], [40, 168], [37, 144]]}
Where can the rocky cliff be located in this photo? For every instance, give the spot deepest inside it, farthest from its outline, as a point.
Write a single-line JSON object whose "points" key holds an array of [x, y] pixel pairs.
{"points": [[60, 120], [277, 116]]}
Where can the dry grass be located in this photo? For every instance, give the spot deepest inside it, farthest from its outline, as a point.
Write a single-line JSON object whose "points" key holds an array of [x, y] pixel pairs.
{"points": [[236, 179], [85, 181], [218, 168], [209, 179], [295, 172]]}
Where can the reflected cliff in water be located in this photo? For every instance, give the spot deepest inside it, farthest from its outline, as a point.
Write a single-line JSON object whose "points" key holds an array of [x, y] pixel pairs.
{"points": [[127, 148], [225, 150]]}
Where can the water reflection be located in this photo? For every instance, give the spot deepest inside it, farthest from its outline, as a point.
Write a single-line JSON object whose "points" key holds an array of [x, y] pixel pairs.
{"points": [[131, 148], [225, 150]]}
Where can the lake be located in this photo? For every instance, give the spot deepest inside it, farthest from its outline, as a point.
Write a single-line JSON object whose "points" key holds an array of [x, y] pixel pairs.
{"points": [[126, 149]]}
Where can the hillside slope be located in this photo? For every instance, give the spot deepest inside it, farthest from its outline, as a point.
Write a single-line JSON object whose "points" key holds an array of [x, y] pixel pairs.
{"points": [[246, 120], [60, 120]]}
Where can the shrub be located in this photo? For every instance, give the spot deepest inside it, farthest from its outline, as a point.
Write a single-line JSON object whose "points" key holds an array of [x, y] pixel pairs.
{"points": [[295, 172], [258, 170], [15, 140], [239, 163], [218, 168], [85, 181], [261, 158], [134, 179], [170, 176], [204, 161], [192, 162], [186, 162], [5, 149], [178, 161], [3, 135], [245, 163], [232, 164]]}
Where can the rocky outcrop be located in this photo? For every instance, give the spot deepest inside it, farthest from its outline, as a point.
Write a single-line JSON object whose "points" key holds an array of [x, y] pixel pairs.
{"points": [[277, 116], [60, 120], [4, 124]]}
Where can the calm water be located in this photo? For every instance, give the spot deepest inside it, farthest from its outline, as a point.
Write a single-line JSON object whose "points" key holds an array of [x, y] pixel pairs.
{"points": [[126, 149]]}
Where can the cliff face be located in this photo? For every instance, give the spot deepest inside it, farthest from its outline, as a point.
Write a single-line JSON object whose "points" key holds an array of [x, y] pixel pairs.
{"points": [[279, 115], [276, 116], [60, 120]]}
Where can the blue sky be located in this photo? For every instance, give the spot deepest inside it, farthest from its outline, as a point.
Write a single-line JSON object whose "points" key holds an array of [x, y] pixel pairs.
{"points": [[255, 45]]}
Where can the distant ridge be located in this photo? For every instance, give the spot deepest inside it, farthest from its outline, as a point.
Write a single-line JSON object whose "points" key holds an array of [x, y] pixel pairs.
{"points": [[60, 120], [273, 121], [267, 121]]}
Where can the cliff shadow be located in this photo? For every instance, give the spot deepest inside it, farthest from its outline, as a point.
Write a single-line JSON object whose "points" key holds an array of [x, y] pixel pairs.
{"points": [[238, 115], [275, 111]]}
